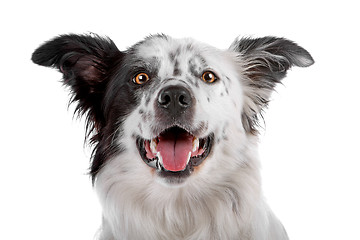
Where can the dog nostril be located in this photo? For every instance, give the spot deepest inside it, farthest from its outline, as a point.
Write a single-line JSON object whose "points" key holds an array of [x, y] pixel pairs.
{"points": [[183, 100], [164, 99]]}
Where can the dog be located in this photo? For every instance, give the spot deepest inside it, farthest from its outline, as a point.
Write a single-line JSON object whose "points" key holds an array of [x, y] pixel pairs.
{"points": [[174, 125]]}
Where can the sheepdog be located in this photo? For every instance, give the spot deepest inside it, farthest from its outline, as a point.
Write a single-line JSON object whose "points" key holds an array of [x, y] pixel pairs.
{"points": [[174, 125]]}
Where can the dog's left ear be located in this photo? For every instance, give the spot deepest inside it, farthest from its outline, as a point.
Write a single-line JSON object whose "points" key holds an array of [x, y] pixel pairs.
{"points": [[264, 63]]}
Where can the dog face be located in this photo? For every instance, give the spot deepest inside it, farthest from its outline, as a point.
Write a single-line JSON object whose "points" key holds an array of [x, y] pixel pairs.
{"points": [[185, 103], [176, 107]]}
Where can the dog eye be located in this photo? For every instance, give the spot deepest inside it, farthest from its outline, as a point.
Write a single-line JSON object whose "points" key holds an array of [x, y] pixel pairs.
{"points": [[141, 78], [209, 77]]}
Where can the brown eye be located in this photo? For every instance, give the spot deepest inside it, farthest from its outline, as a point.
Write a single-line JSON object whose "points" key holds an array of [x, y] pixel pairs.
{"points": [[209, 77], [141, 78]]}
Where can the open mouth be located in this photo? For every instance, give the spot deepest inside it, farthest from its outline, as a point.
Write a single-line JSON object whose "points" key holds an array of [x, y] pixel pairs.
{"points": [[175, 151]]}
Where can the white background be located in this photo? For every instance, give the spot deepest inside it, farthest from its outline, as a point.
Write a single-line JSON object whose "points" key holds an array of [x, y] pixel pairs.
{"points": [[310, 150]]}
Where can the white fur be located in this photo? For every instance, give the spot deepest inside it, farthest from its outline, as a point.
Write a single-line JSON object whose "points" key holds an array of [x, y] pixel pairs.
{"points": [[222, 199]]}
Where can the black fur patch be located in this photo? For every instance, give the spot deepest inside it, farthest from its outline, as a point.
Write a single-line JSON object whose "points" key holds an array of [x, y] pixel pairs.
{"points": [[177, 70], [100, 84], [197, 65]]}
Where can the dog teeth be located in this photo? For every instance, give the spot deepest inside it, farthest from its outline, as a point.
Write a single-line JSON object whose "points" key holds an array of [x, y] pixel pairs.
{"points": [[160, 160], [153, 146], [195, 144], [189, 156]]}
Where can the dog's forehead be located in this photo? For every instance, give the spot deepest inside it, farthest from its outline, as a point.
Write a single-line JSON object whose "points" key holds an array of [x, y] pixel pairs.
{"points": [[161, 46], [177, 55]]}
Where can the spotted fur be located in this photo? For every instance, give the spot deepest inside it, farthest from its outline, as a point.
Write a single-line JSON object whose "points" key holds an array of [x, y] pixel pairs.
{"points": [[221, 197]]}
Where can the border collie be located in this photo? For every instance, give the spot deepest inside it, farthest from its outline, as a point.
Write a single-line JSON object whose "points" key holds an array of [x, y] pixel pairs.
{"points": [[174, 124]]}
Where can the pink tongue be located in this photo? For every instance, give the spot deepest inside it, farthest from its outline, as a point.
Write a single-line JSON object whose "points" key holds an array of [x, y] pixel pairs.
{"points": [[174, 148]]}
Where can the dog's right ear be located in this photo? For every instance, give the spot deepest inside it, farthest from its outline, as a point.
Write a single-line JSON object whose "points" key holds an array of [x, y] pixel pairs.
{"points": [[84, 61]]}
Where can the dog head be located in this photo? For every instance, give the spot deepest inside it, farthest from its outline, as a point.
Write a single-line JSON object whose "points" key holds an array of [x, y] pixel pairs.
{"points": [[172, 104]]}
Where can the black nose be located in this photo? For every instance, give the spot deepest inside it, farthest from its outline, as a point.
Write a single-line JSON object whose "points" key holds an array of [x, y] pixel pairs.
{"points": [[175, 99]]}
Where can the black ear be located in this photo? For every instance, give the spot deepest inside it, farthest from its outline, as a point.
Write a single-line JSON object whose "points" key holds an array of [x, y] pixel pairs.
{"points": [[85, 61], [264, 63]]}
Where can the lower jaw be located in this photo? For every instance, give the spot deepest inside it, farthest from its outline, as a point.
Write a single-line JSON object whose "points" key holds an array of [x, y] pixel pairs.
{"points": [[175, 178]]}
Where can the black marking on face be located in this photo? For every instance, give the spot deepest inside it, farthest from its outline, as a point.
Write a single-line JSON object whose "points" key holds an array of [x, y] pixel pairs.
{"points": [[201, 59], [192, 67], [172, 56], [226, 88], [149, 65], [177, 70], [224, 130], [197, 65], [96, 72], [197, 84], [178, 51], [208, 99], [189, 47]]}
